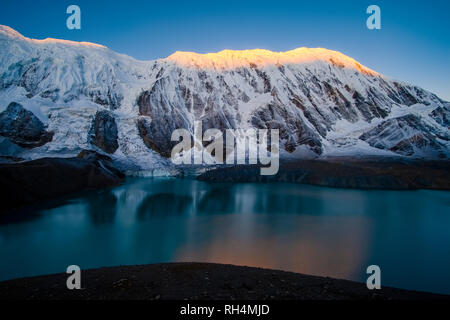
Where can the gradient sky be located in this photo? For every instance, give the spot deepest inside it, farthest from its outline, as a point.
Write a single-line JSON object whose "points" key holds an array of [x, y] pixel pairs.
{"points": [[413, 44]]}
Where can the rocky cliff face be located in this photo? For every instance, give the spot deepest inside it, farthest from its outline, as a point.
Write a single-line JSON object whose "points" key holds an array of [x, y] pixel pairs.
{"points": [[22, 127], [103, 132], [408, 135], [306, 102], [323, 102]]}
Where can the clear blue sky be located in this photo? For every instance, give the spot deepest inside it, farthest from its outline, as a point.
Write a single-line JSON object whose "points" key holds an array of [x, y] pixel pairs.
{"points": [[413, 44]]}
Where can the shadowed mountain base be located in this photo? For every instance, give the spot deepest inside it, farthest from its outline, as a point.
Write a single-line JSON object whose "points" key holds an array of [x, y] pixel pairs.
{"points": [[28, 182], [371, 173]]}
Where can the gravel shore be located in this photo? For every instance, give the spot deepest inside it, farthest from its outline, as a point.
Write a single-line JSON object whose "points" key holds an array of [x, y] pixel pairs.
{"points": [[198, 281]]}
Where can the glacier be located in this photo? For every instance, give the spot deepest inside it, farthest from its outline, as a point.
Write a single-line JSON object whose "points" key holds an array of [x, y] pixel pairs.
{"points": [[324, 103]]}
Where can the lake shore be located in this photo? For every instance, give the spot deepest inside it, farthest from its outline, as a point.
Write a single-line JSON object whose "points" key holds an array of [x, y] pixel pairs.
{"points": [[32, 182], [379, 173], [29, 182], [198, 281]]}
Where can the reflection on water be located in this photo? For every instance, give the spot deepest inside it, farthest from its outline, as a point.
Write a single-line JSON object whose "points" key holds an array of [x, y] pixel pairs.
{"points": [[313, 230], [164, 205], [101, 207]]}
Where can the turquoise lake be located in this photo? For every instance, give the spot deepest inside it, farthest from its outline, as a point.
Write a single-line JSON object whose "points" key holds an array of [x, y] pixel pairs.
{"points": [[312, 230]]}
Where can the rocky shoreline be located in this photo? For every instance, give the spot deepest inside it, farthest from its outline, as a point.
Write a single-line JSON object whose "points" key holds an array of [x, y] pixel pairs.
{"points": [[359, 173], [28, 182], [198, 281]]}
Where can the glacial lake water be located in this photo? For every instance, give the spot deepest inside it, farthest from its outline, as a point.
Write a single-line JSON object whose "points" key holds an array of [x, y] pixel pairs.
{"points": [[312, 230]]}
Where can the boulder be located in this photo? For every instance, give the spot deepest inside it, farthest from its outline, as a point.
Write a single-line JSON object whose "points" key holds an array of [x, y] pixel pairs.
{"points": [[103, 132], [22, 127]]}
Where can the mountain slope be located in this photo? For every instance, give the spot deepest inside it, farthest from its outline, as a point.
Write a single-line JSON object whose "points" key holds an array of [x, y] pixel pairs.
{"points": [[323, 102]]}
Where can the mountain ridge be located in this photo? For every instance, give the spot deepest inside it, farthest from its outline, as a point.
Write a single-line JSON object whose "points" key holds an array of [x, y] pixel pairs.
{"points": [[251, 56], [326, 104], [9, 32], [233, 59]]}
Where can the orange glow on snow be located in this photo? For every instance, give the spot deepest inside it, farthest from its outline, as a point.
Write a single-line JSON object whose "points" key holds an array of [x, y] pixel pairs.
{"points": [[68, 42], [10, 32], [232, 59]]}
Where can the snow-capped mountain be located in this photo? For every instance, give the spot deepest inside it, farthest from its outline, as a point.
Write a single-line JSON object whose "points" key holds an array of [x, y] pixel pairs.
{"points": [[323, 102]]}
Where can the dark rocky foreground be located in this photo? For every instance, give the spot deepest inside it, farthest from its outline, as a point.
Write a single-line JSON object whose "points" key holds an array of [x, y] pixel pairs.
{"points": [[28, 182], [372, 173], [198, 281]]}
